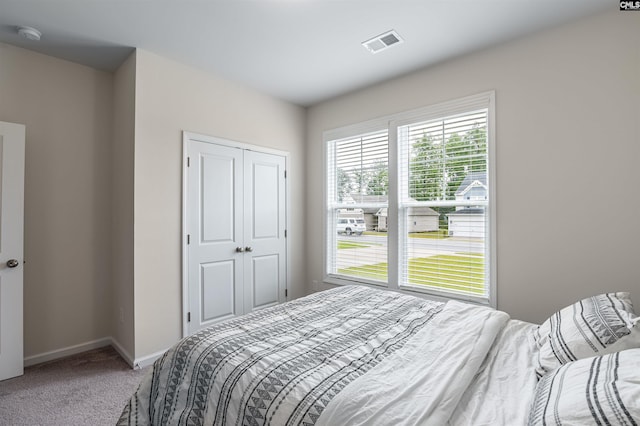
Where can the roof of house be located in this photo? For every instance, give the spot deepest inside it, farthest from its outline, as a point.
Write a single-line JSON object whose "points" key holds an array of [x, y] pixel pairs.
{"points": [[475, 210], [362, 198], [412, 211], [366, 199], [470, 179]]}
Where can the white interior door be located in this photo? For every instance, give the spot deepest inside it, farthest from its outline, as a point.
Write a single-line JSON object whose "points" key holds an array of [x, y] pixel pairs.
{"points": [[235, 219], [264, 229], [215, 234], [12, 143]]}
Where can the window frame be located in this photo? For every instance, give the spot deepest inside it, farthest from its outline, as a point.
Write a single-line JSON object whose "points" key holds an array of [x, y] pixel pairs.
{"points": [[392, 123], [329, 224]]}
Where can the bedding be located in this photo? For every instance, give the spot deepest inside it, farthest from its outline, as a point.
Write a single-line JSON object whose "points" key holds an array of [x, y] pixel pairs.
{"points": [[603, 390], [351, 355], [504, 379], [593, 326]]}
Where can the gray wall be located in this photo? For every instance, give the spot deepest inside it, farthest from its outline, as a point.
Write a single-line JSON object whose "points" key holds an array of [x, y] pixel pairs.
{"points": [[568, 108], [67, 112], [172, 97]]}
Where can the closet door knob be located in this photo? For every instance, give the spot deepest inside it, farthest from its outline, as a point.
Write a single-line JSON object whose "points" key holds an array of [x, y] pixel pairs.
{"points": [[247, 248], [239, 249], [12, 263]]}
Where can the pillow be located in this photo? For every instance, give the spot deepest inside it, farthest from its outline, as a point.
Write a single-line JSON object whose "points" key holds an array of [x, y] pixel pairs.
{"points": [[594, 326], [602, 390]]}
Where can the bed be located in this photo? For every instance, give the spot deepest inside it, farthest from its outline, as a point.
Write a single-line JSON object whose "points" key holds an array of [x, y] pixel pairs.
{"points": [[358, 356]]}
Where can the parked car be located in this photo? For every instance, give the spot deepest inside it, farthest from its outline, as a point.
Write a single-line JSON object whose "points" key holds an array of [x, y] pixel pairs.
{"points": [[350, 226]]}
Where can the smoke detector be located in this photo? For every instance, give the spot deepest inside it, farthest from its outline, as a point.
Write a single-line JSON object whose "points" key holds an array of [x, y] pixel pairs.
{"points": [[383, 41], [29, 33]]}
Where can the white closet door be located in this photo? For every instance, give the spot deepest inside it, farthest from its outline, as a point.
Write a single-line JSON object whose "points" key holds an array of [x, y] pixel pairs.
{"points": [[215, 220], [235, 219], [264, 230]]}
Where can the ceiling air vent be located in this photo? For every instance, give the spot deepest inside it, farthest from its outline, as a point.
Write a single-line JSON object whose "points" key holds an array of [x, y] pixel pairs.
{"points": [[382, 41]]}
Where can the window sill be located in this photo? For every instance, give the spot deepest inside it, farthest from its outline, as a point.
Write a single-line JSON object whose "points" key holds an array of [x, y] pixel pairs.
{"points": [[425, 293]]}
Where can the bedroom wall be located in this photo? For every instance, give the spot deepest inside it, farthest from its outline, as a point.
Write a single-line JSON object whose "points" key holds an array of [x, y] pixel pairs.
{"points": [[172, 97], [122, 201], [568, 148], [67, 112]]}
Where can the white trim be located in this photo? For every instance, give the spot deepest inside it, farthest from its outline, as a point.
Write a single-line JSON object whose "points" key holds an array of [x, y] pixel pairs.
{"points": [[454, 107], [491, 183], [377, 125], [137, 363], [371, 126], [287, 218], [401, 118], [123, 353], [147, 360], [231, 143], [186, 136], [69, 350]]}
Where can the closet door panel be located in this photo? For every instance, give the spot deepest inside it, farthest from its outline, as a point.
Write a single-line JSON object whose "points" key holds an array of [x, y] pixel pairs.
{"points": [[215, 215], [265, 220], [217, 292], [265, 272]]}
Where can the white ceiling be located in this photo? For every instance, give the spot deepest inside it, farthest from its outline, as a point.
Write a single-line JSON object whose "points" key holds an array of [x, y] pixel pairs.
{"points": [[303, 51]]}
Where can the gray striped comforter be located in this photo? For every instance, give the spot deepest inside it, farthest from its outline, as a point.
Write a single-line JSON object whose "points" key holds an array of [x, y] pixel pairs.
{"points": [[278, 366]]}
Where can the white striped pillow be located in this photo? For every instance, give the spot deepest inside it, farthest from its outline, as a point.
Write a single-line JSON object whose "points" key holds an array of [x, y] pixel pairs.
{"points": [[602, 390], [594, 326]]}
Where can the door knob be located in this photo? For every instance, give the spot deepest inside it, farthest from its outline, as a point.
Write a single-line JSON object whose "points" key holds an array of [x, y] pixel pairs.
{"points": [[247, 248], [12, 263], [239, 249]]}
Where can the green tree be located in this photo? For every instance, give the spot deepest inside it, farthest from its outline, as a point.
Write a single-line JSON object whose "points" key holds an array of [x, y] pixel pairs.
{"points": [[343, 182], [426, 177], [360, 180], [437, 169], [378, 179]]}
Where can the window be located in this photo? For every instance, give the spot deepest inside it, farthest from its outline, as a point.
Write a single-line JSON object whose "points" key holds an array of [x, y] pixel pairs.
{"points": [[357, 188], [422, 184]]}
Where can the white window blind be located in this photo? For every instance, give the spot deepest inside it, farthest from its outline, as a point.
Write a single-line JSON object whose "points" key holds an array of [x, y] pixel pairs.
{"points": [[358, 185], [444, 196]]}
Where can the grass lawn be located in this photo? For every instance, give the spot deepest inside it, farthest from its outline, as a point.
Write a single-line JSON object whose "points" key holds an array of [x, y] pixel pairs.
{"points": [[351, 245], [463, 271], [436, 235]]}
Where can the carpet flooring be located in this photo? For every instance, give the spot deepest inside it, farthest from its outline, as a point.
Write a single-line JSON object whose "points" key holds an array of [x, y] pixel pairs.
{"points": [[85, 389]]}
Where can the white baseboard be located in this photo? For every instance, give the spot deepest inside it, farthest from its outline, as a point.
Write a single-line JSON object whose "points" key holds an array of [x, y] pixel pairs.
{"points": [[123, 353], [94, 344], [70, 350], [146, 361]]}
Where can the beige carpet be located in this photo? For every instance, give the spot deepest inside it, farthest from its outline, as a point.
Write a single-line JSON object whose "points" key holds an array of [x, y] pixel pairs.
{"points": [[86, 389]]}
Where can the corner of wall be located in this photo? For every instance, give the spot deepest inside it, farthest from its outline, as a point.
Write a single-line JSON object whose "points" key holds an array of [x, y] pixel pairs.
{"points": [[122, 205]]}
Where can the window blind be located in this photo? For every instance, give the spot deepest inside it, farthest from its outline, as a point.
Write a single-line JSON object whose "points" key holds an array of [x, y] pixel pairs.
{"points": [[358, 185], [443, 199]]}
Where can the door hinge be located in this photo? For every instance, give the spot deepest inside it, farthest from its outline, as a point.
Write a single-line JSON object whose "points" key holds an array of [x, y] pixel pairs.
{"points": [[188, 161], [189, 317], [286, 292], [188, 239], [285, 174], [285, 233]]}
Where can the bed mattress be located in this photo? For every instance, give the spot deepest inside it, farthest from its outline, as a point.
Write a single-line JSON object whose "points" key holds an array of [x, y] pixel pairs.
{"points": [[351, 355]]}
